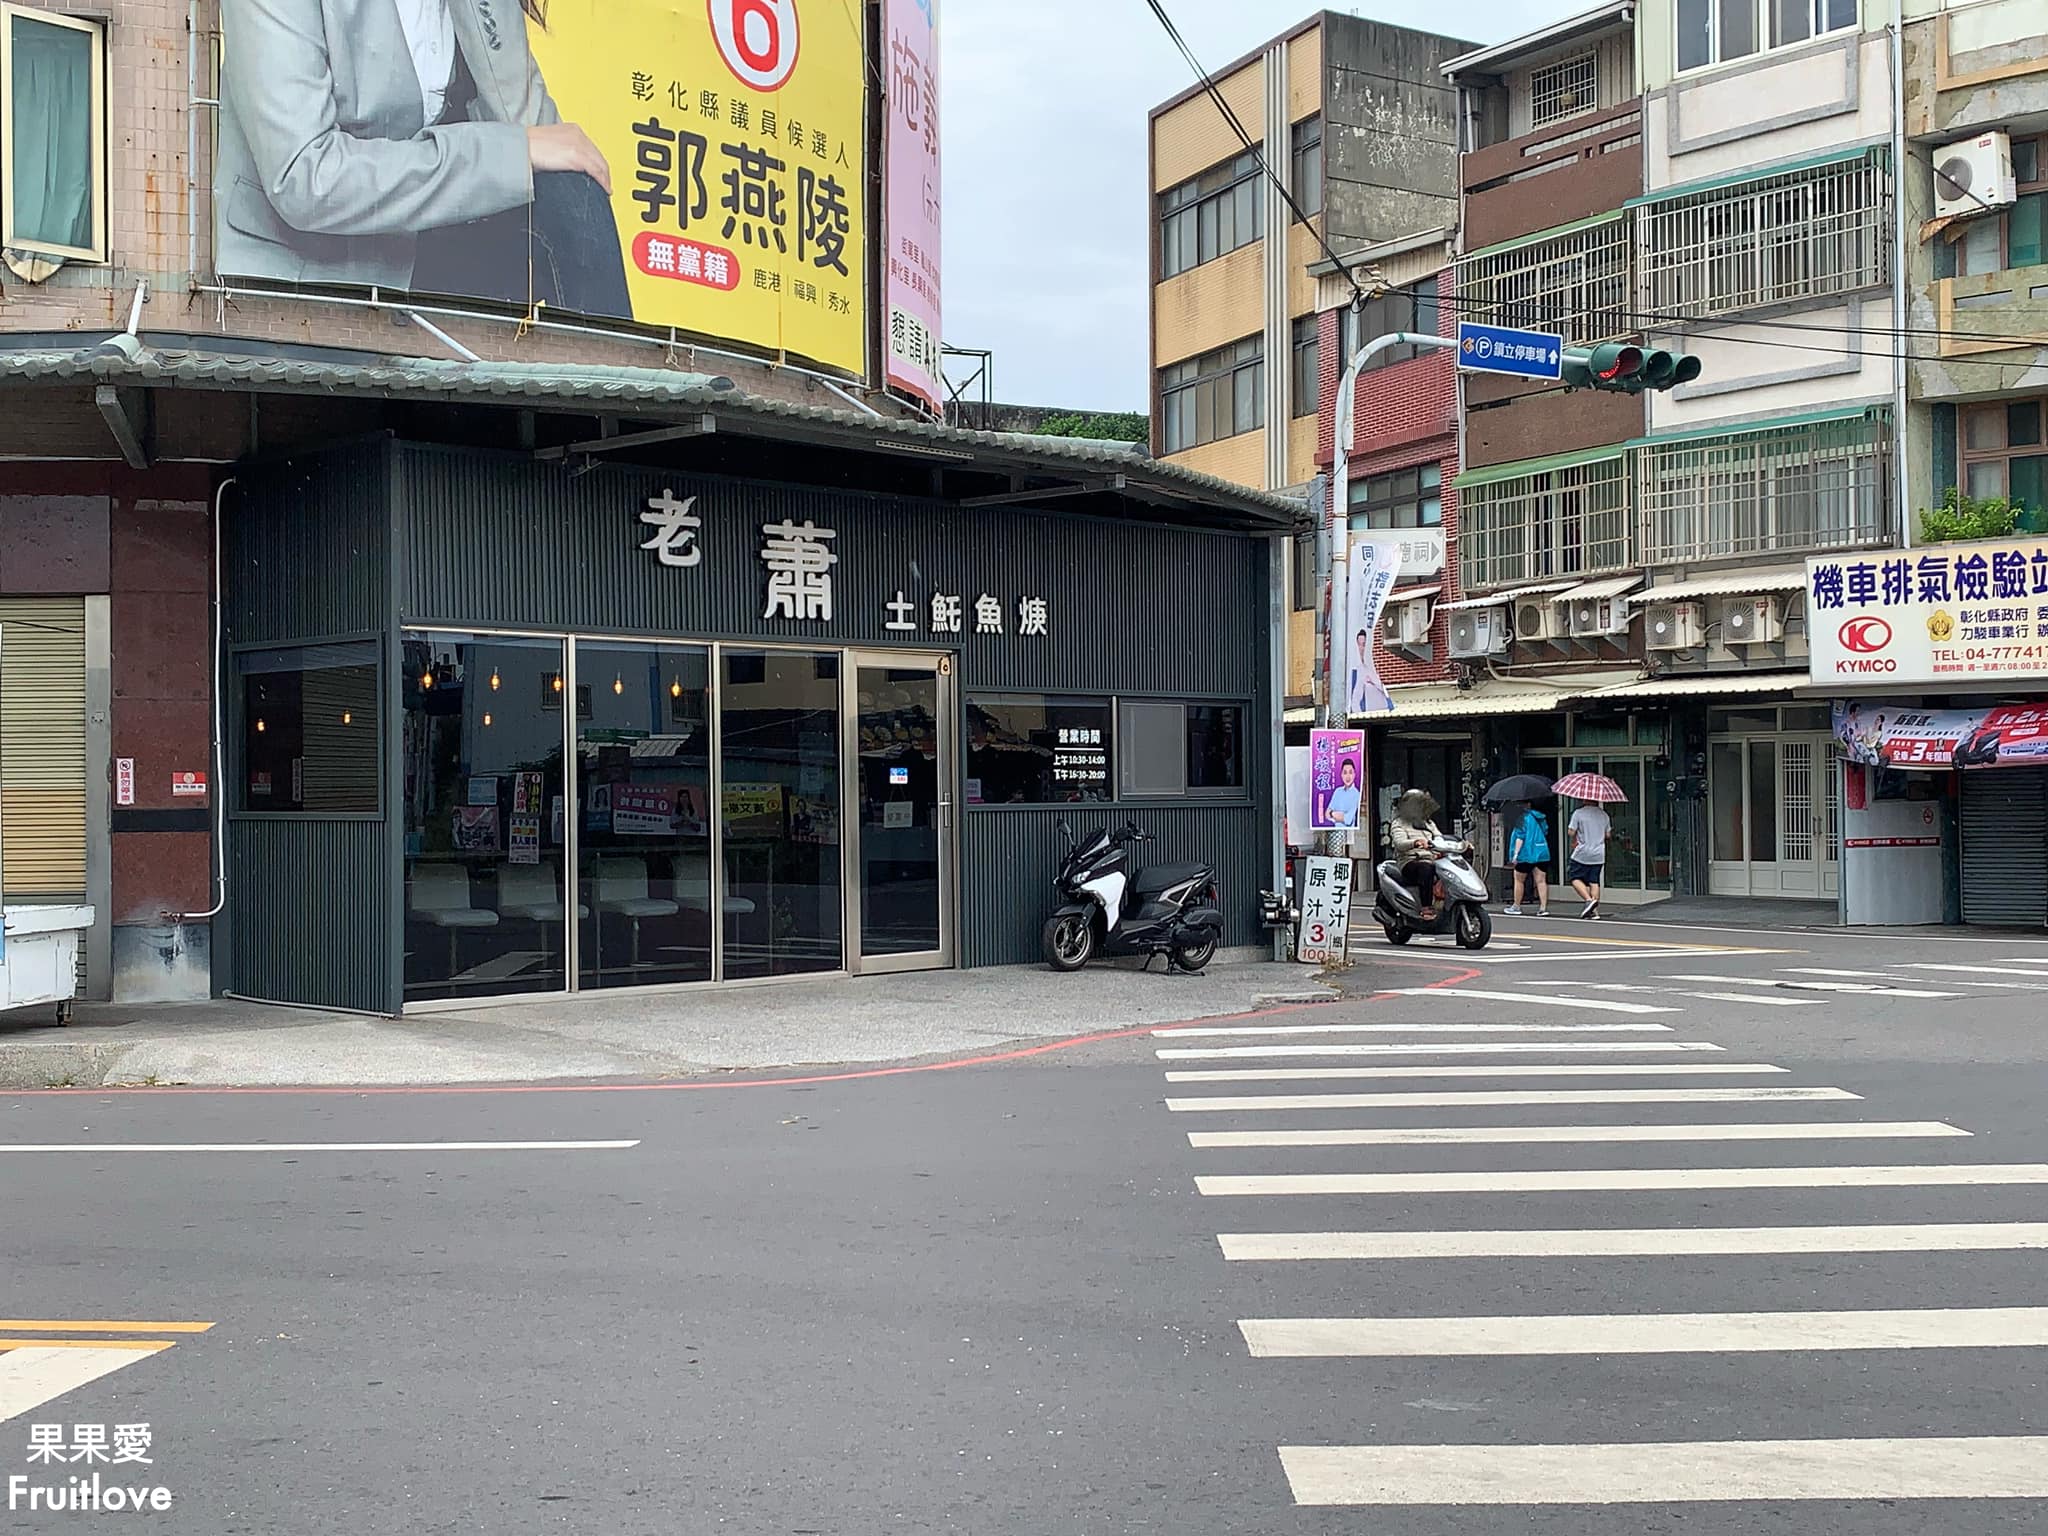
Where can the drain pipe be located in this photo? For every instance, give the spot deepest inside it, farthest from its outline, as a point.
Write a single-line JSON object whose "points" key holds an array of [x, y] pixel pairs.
{"points": [[1902, 472], [220, 788]]}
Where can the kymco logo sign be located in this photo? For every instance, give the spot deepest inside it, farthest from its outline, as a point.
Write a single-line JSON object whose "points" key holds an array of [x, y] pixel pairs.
{"points": [[1865, 636]]}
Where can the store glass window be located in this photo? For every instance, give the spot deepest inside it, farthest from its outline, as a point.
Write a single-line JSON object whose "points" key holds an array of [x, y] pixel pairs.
{"points": [[485, 819], [779, 720], [1215, 740], [1169, 748], [643, 855], [1038, 750], [310, 729]]}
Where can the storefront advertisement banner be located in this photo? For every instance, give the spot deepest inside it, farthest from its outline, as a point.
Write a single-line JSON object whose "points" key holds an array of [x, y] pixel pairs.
{"points": [[1375, 566], [466, 150], [1932, 615], [2008, 736], [912, 150], [1336, 776]]}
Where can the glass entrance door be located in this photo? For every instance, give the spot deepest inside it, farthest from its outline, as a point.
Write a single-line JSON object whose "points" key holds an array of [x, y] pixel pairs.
{"points": [[900, 750], [1776, 813]]}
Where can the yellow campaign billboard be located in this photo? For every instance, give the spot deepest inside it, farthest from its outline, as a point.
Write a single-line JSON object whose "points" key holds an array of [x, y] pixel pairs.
{"points": [[699, 164]]}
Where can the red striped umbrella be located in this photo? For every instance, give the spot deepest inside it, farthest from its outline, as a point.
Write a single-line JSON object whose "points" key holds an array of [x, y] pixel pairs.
{"points": [[1588, 786]]}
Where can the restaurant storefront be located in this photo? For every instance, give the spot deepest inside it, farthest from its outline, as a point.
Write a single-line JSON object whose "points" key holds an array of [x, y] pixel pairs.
{"points": [[536, 730]]}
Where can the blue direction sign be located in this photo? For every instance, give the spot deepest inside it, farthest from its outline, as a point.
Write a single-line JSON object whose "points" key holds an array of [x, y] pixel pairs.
{"points": [[1496, 349]]}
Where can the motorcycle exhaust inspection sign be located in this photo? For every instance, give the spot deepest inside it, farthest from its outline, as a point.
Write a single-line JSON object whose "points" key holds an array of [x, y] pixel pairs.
{"points": [[1325, 911]]}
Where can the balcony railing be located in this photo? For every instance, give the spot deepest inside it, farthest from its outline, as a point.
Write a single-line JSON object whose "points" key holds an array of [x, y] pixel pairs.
{"points": [[1574, 282], [1566, 521], [1814, 486], [1581, 166]]}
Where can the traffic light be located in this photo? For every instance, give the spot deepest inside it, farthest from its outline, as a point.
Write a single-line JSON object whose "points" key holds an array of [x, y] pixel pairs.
{"points": [[1628, 369]]}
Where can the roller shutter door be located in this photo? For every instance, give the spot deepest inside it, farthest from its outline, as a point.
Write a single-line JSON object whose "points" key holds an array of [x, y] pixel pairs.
{"points": [[2005, 846], [42, 748]]}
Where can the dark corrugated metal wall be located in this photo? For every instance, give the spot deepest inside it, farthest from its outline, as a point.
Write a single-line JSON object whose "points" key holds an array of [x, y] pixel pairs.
{"points": [[310, 899]]}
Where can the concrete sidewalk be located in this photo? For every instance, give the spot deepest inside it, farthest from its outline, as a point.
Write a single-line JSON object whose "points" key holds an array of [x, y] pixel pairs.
{"points": [[868, 1019]]}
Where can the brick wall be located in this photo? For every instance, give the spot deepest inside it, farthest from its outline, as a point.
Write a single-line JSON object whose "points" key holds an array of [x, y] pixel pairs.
{"points": [[1406, 415]]}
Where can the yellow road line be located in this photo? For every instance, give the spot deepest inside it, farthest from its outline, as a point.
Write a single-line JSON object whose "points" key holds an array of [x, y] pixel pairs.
{"points": [[18, 1325], [140, 1346]]}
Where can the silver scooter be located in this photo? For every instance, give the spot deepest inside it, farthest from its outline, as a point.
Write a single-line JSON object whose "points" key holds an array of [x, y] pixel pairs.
{"points": [[1460, 899]]}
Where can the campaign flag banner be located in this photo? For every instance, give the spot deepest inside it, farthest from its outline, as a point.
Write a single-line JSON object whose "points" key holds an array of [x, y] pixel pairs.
{"points": [[1336, 779], [1375, 564], [911, 150]]}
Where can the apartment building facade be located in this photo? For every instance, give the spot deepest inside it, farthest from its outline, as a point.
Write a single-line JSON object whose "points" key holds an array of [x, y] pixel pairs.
{"points": [[1355, 118]]}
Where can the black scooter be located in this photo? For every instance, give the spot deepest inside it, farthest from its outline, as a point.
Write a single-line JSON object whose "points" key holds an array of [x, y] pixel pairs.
{"points": [[1168, 909]]}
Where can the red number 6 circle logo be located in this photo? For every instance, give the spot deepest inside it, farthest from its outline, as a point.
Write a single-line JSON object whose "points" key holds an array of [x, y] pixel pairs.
{"points": [[757, 39]]}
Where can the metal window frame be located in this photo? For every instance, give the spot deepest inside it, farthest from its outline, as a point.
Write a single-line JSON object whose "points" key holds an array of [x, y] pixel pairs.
{"points": [[96, 29], [1221, 365]]}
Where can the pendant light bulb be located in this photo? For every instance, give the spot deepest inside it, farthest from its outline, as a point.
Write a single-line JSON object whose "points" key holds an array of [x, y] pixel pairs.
{"points": [[348, 717], [494, 679], [261, 727], [618, 684], [675, 688], [427, 678], [558, 682], [487, 719]]}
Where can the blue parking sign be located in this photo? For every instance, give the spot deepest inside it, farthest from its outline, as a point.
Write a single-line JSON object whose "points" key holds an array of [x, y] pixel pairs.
{"points": [[1497, 349]]}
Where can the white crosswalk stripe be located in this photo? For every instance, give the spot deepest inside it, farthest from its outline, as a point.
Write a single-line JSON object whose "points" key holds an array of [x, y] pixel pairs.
{"points": [[1464, 1048], [1636, 1242], [1598, 1180], [1677, 1333], [1541, 1069], [1530, 999], [1211, 1031], [1517, 1135], [1489, 1098], [1864, 987]]}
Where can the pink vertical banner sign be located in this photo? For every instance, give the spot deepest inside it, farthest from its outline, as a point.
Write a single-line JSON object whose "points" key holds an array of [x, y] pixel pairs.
{"points": [[912, 335]]}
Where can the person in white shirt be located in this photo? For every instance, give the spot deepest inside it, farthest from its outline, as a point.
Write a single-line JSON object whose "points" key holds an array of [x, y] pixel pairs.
{"points": [[1589, 829], [1367, 696], [1342, 806]]}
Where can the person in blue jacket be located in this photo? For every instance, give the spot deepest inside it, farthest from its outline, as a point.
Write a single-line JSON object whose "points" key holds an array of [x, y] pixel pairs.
{"points": [[1529, 853]]}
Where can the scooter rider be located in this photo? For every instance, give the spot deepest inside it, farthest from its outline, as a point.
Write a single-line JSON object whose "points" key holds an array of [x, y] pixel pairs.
{"points": [[1414, 841]]}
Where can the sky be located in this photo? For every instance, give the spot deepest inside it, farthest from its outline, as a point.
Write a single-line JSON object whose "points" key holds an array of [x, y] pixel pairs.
{"points": [[1043, 106]]}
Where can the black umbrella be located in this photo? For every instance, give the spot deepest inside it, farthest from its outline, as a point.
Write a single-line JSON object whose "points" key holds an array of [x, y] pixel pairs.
{"points": [[1516, 787]]}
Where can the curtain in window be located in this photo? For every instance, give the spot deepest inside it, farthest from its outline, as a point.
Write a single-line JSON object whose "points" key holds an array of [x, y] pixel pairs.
{"points": [[49, 157]]}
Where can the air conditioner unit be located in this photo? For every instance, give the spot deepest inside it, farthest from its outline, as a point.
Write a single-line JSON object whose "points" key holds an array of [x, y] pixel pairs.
{"points": [[1673, 626], [1974, 176], [1592, 617], [1478, 632], [1406, 623], [1538, 618], [1753, 621]]}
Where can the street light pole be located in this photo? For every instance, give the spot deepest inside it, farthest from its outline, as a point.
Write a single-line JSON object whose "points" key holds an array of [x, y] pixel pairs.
{"points": [[1336, 697]]}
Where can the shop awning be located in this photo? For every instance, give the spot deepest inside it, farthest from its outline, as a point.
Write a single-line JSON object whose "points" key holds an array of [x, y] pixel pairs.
{"points": [[1498, 599], [1409, 594], [1707, 683], [1444, 701], [1777, 578], [1608, 586], [1304, 714]]}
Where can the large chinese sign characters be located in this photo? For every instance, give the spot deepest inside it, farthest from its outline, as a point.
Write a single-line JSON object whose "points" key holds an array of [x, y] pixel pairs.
{"points": [[1969, 610], [736, 132]]}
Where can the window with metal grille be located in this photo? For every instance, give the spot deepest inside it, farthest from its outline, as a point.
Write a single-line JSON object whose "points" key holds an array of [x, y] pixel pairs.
{"points": [[1571, 521], [1564, 89], [1574, 282], [1822, 485], [1804, 234]]}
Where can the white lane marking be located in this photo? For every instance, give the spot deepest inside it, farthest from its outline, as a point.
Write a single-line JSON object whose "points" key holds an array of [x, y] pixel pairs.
{"points": [[95, 1147], [1493, 1135], [1637, 1242], [1862, 987], [1540, 999], [2038, 985], [1469, 1048], [1653, 1333], [1532, 1096], [31, 1377], [1669, 1472], [1189, 1032], [1754, 998], [1576, 1069], [1550, 1181]]}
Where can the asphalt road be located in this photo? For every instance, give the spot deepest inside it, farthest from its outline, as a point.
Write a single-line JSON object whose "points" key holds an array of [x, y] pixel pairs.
{"points": [[993, 1298]]}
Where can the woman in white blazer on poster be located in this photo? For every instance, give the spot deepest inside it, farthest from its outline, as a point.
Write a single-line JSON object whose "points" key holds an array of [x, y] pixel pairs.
{"points": [[407, 144]]}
